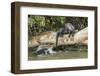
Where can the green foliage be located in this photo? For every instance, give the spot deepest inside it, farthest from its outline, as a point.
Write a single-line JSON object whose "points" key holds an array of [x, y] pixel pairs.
{"points": [[38, 24]]}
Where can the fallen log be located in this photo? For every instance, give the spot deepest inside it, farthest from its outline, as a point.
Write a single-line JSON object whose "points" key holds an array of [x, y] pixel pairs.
{"points": [[50, 37], [82, 36]]}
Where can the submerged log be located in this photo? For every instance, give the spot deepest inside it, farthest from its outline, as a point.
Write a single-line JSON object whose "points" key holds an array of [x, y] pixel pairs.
{"points": [[50, 37]]}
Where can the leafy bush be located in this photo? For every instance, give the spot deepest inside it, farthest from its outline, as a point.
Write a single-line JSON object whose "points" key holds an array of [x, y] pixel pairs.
{"points": [[38, 24]]}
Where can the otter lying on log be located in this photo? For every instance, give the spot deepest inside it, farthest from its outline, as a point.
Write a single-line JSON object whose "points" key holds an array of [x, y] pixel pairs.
{"points": [[67, 29]]}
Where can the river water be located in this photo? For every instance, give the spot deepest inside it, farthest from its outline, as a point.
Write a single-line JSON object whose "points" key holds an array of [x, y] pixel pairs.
{"points": [[65, 52]]}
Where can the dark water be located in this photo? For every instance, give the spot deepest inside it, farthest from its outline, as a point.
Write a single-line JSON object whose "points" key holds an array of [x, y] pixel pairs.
{"points": [[63, 52]]}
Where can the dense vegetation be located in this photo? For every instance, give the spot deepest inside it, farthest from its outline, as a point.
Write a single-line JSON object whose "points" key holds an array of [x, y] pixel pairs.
{"points": [[38, 24]]}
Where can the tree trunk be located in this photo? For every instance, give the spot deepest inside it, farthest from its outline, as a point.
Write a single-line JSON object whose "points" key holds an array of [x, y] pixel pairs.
{"points": [[50, 37]]}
